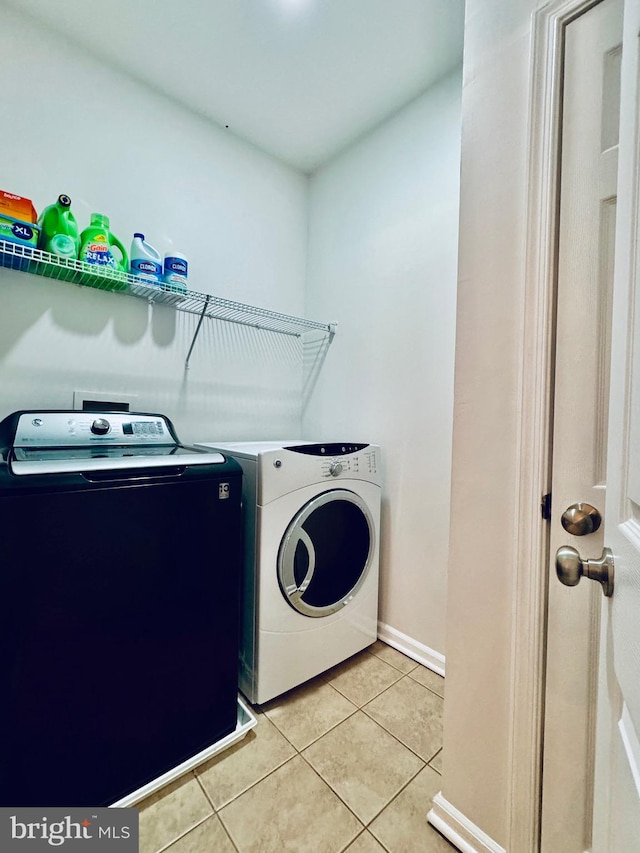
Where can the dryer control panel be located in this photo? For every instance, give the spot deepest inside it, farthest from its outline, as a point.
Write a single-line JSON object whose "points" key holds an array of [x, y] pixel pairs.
{"points": [[277, 468], [341, 458], [336, 448]]}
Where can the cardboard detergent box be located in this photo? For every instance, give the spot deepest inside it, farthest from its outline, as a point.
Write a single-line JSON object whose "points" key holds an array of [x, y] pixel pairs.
{"points": [[17, 225], [16, 207], [17, 231]]}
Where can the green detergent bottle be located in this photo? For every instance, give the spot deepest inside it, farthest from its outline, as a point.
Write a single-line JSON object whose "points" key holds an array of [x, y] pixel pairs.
{"points": [[96, 250], [59, 229]]}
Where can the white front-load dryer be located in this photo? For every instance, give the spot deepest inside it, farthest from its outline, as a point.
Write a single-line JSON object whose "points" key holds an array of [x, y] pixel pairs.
{"points": [[311, 539]]}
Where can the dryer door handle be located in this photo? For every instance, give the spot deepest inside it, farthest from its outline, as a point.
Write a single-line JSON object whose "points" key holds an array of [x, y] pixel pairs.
{"points": [[294, 591]]}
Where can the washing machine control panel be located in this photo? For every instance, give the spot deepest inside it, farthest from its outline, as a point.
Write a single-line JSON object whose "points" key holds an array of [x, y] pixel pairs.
{"points": [[78, 428]]}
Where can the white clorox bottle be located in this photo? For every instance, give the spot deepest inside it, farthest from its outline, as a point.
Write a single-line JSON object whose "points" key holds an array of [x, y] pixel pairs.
{"points": [[145, 261], [175, 270]]}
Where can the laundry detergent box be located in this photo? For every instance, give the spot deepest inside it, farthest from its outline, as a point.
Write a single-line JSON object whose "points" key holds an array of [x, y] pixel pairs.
{"points": [[17, 207], [17, 225], [18, 234], [18, 231]]}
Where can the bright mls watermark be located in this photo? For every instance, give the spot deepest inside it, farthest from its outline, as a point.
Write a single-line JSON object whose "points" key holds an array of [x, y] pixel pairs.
{"points": [[74, 830]]}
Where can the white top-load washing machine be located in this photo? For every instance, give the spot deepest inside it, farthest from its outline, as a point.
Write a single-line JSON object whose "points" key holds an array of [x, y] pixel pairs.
{"points": [[310, 598]]}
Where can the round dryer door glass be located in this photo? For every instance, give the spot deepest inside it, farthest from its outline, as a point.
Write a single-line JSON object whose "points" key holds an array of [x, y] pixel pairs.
{"points": [[326, 552]]}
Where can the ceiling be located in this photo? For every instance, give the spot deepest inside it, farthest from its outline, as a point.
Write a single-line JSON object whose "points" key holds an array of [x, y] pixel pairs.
{"points": [[301, 79]]}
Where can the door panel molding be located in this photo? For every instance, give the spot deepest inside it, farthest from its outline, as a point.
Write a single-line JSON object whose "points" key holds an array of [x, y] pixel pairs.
{"points": [[603, 343], [631, 745]]}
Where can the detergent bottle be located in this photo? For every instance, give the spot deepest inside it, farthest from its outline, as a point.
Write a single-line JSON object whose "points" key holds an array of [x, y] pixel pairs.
{"points": [[146, 262], [97, 244], [59, 229]]}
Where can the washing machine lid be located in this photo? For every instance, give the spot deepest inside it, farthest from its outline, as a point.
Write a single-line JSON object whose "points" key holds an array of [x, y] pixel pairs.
{"points": [[57, 442]]}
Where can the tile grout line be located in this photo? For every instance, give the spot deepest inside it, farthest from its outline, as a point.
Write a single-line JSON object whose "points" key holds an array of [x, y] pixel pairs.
{"points": [[378, 813], [199, 822], [401, 742], [404, 672], [384, 690], [378, 657], [392, 800], [253, 784], [215, 812], [228, 834], [184, 834], [204, 791], [382, 726], [316, 739], [364, 831], [327, 785], [431, 759], [430, 689]]}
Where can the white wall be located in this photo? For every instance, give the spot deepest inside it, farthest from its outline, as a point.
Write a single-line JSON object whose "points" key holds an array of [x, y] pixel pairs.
{"points": [[382, 263], [72, 125]]}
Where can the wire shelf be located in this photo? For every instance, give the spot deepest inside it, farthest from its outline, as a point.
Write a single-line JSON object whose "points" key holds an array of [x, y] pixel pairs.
{"points": [[27, 259]]}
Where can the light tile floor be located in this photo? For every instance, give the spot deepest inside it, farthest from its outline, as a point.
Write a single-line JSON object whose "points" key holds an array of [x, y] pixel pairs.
{"points": [[347, 762]]}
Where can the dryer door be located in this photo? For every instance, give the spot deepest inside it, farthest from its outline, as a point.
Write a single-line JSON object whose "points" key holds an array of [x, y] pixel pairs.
{"points": [[326, 553]]}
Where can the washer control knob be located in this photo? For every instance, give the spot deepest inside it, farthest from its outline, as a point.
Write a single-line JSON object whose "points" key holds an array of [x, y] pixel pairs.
{"points": [[335, 468], [100, 426]]}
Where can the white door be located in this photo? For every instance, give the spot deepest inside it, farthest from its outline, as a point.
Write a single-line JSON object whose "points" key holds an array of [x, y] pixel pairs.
{"points": [[593, 657], [616, 826], [586, 247]]}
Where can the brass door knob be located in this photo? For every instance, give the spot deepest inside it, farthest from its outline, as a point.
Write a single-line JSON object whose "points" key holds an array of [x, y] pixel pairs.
{"points": [[570, 567], [581, 519]]}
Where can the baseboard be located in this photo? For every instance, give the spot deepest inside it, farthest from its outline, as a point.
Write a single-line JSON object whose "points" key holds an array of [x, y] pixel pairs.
{"points": [[411, 648], [459, 830]]}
